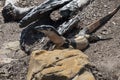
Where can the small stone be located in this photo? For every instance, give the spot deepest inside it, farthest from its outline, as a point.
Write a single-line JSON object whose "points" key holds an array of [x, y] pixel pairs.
{"points": [[114, 23], [104, 32], [105, 6], [119, 78]]}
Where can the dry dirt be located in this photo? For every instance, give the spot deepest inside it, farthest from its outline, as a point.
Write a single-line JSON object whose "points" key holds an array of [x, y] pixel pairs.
{"points": [[105, 55]]}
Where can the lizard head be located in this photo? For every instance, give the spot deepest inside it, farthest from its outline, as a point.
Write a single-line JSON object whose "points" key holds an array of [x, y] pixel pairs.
{"points": [[46, 29], [51, 33], [43, 28]]}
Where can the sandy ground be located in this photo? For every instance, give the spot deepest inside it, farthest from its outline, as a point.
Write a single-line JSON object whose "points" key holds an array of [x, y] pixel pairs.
{"points": [[104, 54]]}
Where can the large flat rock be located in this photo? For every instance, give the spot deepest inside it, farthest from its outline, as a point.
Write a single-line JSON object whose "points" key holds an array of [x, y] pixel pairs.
{"points": [[58, 65]]}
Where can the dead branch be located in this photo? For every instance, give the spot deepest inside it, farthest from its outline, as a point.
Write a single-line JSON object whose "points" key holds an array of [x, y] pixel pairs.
{"points": [[11, 12], [42, 11]]}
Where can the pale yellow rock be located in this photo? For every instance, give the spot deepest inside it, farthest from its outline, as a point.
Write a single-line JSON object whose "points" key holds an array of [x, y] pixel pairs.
{"points": [[58, 64], [85, 76]]}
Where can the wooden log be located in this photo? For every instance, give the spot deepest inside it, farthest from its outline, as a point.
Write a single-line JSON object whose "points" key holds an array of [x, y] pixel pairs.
{"points": [[73, 7], [10, 12], [68, 25], [67, 8], [42, 11]]}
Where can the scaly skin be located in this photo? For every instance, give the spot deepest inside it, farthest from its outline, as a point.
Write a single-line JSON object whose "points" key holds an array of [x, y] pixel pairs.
{"points": [[80, 42], [82, 39]]}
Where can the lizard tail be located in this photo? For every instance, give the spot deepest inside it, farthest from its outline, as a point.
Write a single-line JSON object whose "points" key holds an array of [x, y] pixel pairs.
{"points": [[100, 22]]}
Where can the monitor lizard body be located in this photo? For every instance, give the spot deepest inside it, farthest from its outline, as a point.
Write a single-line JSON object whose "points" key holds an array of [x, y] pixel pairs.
{"points": [[81, 41]]}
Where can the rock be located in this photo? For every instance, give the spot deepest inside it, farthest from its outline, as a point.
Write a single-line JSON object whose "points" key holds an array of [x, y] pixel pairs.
{"points": [[2, 3], [8, 47], [85, 76], [11, 50], [58, 65], [7, 50], [11, 45], [55, 15], [6, 60]]}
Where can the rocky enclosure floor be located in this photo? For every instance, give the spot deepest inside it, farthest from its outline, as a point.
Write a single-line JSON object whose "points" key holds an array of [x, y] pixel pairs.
{"points": [[105, 55]]}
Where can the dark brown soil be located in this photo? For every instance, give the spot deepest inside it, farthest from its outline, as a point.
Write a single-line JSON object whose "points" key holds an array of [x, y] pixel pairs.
{"points": [[104, 54]]}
